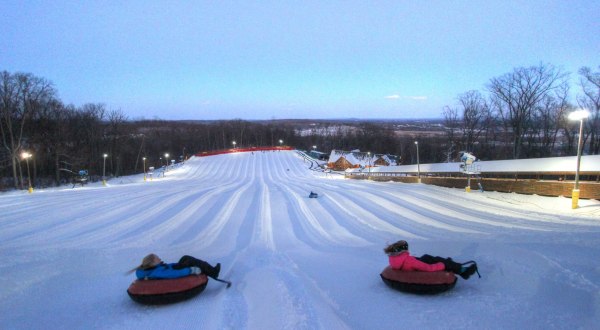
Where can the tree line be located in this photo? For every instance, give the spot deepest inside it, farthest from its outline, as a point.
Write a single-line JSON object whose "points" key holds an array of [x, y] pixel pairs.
{"points": [[523, 114]]}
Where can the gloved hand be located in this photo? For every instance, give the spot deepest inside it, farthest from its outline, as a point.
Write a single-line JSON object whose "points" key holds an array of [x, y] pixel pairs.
{"points": [[195, 270]]}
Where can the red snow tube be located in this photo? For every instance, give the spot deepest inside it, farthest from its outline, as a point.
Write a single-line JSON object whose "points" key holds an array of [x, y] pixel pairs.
{"points": [[418, 282], [166, 291]]}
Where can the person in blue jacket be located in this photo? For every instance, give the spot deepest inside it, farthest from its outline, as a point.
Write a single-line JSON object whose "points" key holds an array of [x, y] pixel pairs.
{"points": [[153, 267]]}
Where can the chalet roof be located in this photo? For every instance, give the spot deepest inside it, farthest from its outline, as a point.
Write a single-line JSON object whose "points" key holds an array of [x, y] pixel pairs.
{"points": [[390, 159], [353, 157]]}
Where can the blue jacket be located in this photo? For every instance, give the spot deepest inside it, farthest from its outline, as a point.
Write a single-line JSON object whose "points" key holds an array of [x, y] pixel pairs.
{"points": [[162, 271]]}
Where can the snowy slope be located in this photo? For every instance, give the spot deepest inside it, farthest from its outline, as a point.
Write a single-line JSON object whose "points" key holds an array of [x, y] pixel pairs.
{"points": [[296, 263]]}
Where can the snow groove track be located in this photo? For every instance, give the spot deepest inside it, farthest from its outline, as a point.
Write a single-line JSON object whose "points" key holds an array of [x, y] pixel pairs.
{"points": [[296, 262]]}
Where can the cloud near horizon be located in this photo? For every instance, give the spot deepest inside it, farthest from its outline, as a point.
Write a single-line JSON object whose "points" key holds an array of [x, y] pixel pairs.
{"points": [[416, 98]]}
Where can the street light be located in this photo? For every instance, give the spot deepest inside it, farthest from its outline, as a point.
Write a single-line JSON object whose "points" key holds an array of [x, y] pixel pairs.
{"points": [[144, 159], [578, 115], [234, 143], [167, 158], [369, 156], [104, 170], [25, 155], [280, 142], [418, 163]]}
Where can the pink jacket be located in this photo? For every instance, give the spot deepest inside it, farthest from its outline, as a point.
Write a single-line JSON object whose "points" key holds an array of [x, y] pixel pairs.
{"points": [[404, 261]]}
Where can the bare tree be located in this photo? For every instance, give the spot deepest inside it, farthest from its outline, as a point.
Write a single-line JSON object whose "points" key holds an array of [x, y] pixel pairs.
{"points": [[550, 118], [88, 140], [49, 132], [475, 111], [518, 93], [451, 122], [117, 135], [21, 94], [590, 85]]}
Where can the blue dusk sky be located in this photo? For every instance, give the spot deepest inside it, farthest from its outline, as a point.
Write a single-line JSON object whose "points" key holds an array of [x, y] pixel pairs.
{"points": [[289, 59]]}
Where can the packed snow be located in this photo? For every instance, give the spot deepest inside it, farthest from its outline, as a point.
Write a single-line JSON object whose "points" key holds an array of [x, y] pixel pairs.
{"points": [[295, 262]]}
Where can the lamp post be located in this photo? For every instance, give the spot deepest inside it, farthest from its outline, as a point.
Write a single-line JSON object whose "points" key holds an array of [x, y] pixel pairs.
{"points": [[578, 115], [418, 163], [25, 155], [234, 143], [369, 156], [280, 143], [167, 165], [104, 170], [144, 161]]}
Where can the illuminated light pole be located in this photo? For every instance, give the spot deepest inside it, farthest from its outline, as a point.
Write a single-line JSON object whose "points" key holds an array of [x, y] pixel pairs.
{"points": [[234, 143], [144, 160], [369, 155], [578, 115], [25, 155], [167, 158], [104, 170], [418, 163]]}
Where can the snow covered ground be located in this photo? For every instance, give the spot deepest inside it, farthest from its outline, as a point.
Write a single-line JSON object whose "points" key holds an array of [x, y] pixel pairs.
{"points": [[296, 263]]}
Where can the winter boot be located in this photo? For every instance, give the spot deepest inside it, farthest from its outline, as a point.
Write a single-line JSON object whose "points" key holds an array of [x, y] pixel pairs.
{"points": [[216, 270], [451, 266], [470, 270], [467, 272]]}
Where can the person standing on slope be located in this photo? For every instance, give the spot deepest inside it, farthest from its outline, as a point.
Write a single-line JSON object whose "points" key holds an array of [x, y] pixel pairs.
{"points": [[400, 259]]}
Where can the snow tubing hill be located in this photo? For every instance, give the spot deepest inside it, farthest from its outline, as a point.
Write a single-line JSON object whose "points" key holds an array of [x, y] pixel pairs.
{"points": [[166, 291], [418, 282]]}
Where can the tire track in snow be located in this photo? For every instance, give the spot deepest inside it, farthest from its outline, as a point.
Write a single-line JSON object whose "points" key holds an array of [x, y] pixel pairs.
{"points": [[38, 206], [273, 287], [318, 231], [165, 218], [324, 224], [365, 218], [255, 295], [348, 210], [269, 275], [414, 216], [97, 218], [444, 213], [387, 209], [211, 232], [149, 209], [476, 213], [233, 235], [480, 216], [265, 235]]}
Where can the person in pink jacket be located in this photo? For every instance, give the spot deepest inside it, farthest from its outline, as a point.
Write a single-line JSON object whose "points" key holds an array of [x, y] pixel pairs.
{"points": [[401, 259]]}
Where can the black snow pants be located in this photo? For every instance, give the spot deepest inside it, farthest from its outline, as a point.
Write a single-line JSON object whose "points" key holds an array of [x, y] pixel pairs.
{"points": [[449, 264], [189, 261]]}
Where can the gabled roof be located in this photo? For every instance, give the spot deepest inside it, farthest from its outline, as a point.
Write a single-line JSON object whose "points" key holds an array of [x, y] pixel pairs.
{"points": [[390, 159], [353, 157]]}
